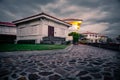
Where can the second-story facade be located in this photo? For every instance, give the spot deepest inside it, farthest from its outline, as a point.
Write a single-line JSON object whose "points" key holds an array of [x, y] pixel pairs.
{"points": [[92, 37], [7, 32]]}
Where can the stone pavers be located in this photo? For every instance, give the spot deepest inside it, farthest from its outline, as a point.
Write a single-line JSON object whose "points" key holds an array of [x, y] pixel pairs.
{"points": [[79, 62]]}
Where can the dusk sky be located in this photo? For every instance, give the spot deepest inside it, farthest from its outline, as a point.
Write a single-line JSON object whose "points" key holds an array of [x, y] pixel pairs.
{"points": [[100, 16]]}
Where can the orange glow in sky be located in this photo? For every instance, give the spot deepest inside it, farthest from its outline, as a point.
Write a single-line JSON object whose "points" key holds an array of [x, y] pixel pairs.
{"points": [[76, 24]]}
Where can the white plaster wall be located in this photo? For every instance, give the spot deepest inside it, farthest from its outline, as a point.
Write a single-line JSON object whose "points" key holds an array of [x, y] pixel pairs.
{"points": [[30, 31], [44, 30], [60, 30], [32, 28]]}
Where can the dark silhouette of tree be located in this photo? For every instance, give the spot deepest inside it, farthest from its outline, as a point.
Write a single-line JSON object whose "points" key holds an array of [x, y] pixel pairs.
{"points": [[118, 38], [109, 40]]}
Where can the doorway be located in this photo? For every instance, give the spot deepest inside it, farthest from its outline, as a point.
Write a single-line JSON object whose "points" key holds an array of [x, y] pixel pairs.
{"points": [[50, 31]]}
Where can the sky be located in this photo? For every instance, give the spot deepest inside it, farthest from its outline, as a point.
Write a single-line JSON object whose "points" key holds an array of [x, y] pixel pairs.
{"points": [[99, 16]]}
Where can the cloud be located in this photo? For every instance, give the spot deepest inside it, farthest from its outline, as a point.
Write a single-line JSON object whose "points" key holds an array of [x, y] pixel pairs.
{"points": [[95, 27], [100, 16], [22, 8]]}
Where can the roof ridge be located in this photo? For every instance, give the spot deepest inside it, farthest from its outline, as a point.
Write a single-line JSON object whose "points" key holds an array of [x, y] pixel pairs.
{"points": [[42, 13]]}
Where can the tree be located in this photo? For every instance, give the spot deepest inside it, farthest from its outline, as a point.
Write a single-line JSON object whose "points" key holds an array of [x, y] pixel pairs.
{"points": [[109, 40], [76, 36], [118, 38]]}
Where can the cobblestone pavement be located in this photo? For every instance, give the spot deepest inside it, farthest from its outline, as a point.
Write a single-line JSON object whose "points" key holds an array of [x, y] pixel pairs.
{"points": [[81, 62]]}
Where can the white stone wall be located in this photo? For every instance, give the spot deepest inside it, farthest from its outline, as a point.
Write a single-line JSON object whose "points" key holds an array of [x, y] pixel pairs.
{"points": [[59, 29], [35, 30], [7, 30], [30, 31]]}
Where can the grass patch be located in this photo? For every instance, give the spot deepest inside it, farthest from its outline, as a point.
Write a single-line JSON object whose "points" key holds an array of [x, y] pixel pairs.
{"points": [[29, 47]]}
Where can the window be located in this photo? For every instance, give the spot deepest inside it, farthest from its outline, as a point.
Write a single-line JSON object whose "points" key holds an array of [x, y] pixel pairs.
{"points": [[96, 36], [90, 34]]}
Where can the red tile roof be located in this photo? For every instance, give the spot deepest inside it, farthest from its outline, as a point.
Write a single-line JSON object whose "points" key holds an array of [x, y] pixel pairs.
{"points": [[103, 36], [7, 24]]}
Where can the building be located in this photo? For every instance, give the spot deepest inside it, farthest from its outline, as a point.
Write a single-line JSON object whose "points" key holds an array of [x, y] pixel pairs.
{"points": [[92, 37], [41, 28], [103, 39], [95, 37], [7, 32]]}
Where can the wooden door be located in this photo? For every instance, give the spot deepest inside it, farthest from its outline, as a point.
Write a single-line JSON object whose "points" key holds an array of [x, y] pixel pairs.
{"points": [[50, 31]]}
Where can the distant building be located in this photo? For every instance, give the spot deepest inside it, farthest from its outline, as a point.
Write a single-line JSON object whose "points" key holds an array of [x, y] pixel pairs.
{"points": [[7, 32], [103, 39], [41, 28], [95, 37]]}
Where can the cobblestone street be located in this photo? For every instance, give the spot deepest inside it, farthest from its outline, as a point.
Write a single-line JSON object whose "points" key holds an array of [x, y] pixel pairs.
{"points": [[81, 62]]}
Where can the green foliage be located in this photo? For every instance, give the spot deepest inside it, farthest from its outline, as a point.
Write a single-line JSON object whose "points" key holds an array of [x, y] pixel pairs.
{"points": [[29, 47], [73, 34], [76, 36]]}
